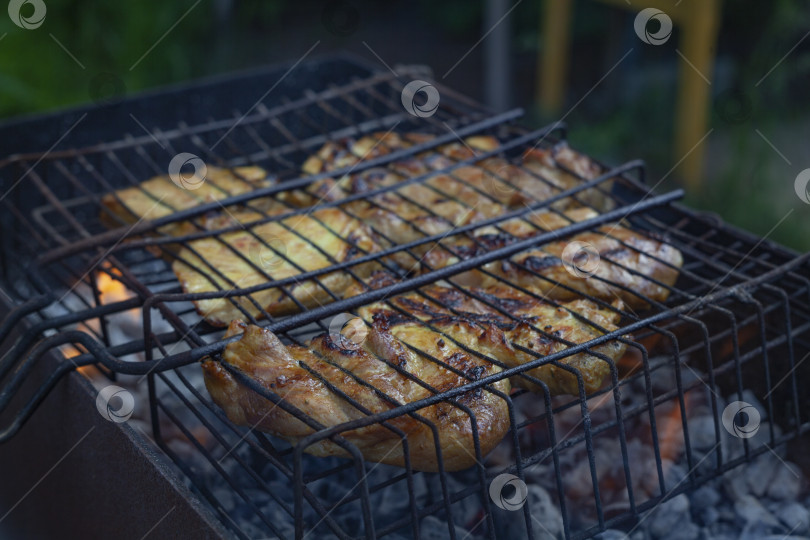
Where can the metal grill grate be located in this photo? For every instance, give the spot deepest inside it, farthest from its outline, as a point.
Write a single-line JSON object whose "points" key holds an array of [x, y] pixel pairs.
{"points": [[737, 318]]}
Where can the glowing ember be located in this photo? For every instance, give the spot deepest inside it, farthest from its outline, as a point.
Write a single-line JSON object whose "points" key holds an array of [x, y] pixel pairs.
{"points": [[123, 326], [111, 289]]}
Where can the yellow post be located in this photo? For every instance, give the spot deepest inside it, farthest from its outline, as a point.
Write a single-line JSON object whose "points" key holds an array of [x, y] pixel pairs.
{"points": [[554, 55], [697, 45]]}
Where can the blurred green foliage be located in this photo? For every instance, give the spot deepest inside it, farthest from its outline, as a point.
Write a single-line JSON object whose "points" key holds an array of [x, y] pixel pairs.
{"points": [[104, 37], [770, 70], [632, 113], [459, 18]]}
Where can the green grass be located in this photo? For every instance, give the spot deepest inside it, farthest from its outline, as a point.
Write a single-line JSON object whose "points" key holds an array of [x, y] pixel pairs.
{"points": [[751, 194], [38, 75]]}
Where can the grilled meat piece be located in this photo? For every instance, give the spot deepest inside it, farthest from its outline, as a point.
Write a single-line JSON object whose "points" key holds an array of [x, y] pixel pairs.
{"points": [[552, 166], [413, 211], [335, 155], [272, 251], [250, 257], [545, 172], [631, 267], [434, 206], [504, 322], [391, 375], [347, 152], [160, 196]]}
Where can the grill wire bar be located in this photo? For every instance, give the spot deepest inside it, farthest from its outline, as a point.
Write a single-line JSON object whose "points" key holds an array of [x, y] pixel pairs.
{"points": [[739, 303]]}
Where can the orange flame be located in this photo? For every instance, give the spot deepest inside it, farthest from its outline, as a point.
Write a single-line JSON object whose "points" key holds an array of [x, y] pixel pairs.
{"points": [[111, 289], [671, 431]]}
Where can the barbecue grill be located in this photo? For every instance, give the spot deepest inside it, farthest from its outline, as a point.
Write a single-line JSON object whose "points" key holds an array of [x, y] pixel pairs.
{"points": [[737, 320]]}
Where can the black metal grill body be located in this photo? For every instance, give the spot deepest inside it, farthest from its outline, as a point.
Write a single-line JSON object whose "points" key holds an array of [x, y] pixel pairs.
{"points": [[70, 473], [737, 318]]}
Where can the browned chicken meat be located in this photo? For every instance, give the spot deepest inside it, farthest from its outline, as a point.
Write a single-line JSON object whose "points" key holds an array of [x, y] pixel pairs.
{"points": [[414, 345], [412, 211], [347, 152], [409, 348], [519, 328], [623, 264], [545, 171], [488, 189], [272, 251], [632, 267], [160, 196], [378, 375]]}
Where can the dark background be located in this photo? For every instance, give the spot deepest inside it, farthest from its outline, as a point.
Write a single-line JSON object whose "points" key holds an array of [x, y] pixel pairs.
{"points": [[87, 50]]}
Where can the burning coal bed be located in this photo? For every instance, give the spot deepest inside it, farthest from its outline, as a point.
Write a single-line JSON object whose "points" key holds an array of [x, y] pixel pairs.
{"points": [[765, 498], [762, 499]]}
